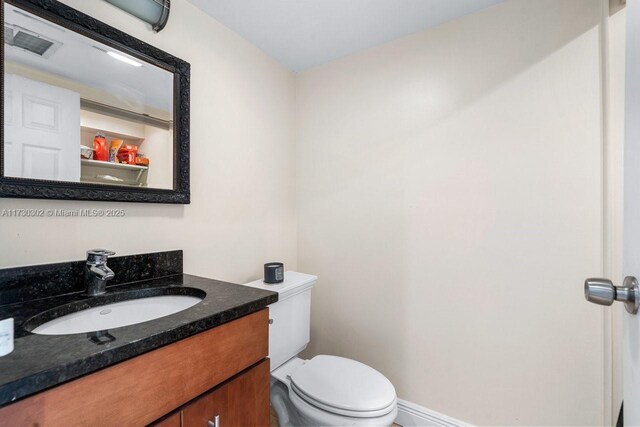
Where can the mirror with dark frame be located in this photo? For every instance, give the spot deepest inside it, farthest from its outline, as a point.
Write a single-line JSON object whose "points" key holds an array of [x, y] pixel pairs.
{"points": [[89, 112]]}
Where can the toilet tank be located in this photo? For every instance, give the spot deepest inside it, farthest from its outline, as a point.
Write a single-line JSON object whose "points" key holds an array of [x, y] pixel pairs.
{"points": [[289, 318]]}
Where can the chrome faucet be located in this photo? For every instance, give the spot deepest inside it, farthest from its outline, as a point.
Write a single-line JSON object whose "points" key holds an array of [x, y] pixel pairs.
{"points": [[96, 272]]}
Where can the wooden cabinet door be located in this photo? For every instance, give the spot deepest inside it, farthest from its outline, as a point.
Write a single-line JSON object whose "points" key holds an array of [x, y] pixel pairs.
{"points": [[172, 420], [242, 401]]}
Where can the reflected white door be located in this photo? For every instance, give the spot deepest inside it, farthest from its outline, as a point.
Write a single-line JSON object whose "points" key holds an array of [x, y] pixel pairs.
{"points": [[41, 130]]}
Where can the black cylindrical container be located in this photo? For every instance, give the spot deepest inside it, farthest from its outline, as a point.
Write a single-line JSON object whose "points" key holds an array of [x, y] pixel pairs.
{"points": [[273, 272]]}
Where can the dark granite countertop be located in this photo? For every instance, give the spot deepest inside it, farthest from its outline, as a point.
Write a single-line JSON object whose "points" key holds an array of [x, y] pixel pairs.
{"points": [[39, 362]]}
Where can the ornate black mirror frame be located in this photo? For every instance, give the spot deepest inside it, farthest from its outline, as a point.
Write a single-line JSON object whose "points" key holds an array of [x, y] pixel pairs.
{"points": [[74, 20]]}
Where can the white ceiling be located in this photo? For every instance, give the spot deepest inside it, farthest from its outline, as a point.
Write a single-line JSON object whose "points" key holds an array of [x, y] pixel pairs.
{"points": [[304, 33]]}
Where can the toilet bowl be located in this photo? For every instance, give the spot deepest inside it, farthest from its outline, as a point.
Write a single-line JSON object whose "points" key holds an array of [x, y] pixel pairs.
{"points": [[332, 391], [325, 390]]}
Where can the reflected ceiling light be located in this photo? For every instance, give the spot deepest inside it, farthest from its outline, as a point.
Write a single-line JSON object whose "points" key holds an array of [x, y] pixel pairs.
{"points": [[124, 59], [154, 12]]}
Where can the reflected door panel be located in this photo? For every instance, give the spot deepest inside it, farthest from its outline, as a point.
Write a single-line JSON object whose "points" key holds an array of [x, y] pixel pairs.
{"points": [[42, 130]]}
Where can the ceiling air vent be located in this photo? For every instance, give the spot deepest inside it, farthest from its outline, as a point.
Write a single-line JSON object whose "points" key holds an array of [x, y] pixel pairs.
{"points": [[28, 41]]}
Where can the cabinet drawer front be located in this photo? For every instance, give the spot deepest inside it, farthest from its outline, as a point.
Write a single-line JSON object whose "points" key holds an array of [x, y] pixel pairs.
{"points": [[142, 389], [243, 401]]}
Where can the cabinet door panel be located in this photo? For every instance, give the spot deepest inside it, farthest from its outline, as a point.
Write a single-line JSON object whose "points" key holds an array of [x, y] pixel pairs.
{"points": [[173, 420], [243, 401]]}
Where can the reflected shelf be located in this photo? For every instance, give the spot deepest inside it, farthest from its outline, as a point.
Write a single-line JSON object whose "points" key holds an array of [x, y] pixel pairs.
{"points": [[109, 165]]}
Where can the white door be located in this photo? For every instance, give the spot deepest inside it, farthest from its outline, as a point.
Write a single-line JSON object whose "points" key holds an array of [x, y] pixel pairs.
{"points": [[41, 130], [631, 335], [602, 291]]}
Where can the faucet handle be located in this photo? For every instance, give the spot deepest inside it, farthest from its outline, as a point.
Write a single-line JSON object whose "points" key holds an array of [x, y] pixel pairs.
{"points": [[98, 255]]}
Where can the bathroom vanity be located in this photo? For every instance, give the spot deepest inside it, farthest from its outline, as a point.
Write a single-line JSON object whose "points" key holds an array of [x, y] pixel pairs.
{"points": [[203, 366]]}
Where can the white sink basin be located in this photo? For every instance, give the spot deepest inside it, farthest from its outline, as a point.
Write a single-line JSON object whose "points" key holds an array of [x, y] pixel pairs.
{"points": [[117, 314]]}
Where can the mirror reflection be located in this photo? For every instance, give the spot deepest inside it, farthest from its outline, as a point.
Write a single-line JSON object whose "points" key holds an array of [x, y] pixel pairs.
{"points": [[78, 110]]}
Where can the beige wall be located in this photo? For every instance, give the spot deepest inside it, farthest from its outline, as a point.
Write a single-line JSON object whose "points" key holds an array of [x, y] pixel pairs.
{"points": [[242, 211], [450, 201], [158, 145], [85, 91]]}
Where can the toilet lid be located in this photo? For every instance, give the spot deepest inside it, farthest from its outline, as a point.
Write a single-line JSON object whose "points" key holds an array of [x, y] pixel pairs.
{"points": [[344, 386]]}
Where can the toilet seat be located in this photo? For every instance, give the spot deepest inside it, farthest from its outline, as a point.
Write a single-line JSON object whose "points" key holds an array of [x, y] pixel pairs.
{"points": [[344, 387], [338, 411], [309, 415]]}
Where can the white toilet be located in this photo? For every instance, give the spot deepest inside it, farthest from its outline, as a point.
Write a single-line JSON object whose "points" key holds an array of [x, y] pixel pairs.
{"points": [[326, 390]]}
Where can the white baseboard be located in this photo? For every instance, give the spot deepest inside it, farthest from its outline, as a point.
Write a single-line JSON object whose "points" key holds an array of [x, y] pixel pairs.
{"points": [[412, 415]]}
